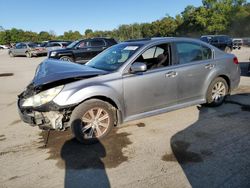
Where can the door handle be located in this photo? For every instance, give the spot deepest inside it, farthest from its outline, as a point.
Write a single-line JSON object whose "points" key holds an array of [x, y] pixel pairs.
{"points": [[209, 66], [171, 74]]}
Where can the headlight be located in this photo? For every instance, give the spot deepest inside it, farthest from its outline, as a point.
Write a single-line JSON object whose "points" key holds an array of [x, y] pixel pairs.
{"points": [[42, 97], [52, 54]]}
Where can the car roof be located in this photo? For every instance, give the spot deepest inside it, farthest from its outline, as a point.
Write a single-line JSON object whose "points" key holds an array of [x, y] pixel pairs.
{"points": [[153, 40], [215, 36]]}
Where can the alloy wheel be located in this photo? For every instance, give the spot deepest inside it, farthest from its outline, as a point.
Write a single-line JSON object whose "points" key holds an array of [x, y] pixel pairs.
{"points": [[218, 91], [95, 123]]}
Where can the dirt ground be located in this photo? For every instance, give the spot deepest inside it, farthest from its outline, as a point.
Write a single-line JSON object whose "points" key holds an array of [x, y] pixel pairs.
{"points": [[191, 147]]}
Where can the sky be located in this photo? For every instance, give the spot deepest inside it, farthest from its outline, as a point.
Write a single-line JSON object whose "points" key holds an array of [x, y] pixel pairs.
{"points": [[64, 15]]}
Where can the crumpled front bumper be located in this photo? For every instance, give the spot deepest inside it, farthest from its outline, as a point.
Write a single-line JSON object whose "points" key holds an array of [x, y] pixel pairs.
{"points": [[31, 117], [47, 116]]}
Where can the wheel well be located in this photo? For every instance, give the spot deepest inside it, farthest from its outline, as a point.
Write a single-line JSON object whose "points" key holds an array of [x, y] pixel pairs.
{"points": [[66, 55], [118, 116], [106, 99], [227, 80]]}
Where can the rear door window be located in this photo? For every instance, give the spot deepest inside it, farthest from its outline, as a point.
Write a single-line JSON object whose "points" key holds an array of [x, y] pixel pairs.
{"points": [[96, 43], [191, 52]]}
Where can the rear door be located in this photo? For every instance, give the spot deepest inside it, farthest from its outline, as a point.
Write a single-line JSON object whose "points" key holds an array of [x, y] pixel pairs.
{"points": [[195, 62], [96, 46]]}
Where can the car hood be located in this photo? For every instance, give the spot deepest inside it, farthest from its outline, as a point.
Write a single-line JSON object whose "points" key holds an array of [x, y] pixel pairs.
{"points": [[50, 71]]}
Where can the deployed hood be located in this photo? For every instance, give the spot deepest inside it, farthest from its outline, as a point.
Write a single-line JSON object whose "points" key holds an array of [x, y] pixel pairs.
{"points": [[50, 71]]}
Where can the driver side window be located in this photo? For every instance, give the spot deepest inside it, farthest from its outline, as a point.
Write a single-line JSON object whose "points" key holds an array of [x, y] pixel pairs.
{"points": [[156, 57], [18, 46]]}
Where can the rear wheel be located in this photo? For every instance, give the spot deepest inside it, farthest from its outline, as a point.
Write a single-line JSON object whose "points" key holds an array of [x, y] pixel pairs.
{"points": [[217, 91], [66, 58], [92, 121]]}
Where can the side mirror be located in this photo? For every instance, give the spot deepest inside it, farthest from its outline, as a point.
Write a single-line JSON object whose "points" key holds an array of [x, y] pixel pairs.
{"points": [[138, 67]]}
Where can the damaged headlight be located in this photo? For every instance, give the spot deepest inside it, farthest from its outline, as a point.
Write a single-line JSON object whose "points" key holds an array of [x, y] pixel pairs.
{"points": [[42, 97]]}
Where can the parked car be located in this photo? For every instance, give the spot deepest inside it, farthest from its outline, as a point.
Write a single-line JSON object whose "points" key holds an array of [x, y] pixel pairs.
{"points": [[4, 47], [46, 43], [81, 51], [237, 43], [128, 81], [28, 49], [222, 42], [56, 45]]}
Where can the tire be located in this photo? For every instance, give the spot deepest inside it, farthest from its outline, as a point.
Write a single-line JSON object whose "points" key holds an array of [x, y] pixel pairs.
{"points": [[92, 121], [217, 92], [11, 54], [228, 50], [28, 55], [66, 58]]}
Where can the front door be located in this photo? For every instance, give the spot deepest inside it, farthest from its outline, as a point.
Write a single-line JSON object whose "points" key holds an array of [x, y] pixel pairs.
{"points": [[154, 89], [82, 52]]}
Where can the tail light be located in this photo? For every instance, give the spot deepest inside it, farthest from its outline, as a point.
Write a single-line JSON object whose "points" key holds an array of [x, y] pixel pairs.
{"points": [[236, 61]]}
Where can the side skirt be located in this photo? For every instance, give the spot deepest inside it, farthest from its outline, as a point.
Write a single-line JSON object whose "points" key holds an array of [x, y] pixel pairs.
{"points": [[163, 110]]}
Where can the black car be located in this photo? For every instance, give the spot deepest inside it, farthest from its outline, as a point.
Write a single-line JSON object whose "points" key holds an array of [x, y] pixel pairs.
{"points": [[81, 51], [222, 42]]}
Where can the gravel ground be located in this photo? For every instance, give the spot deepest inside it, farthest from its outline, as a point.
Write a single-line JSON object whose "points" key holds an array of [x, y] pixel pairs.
{"points": [[191, 147]]}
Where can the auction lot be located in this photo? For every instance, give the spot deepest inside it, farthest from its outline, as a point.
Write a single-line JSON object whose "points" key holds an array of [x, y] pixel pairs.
{"points": [[192, 147]]}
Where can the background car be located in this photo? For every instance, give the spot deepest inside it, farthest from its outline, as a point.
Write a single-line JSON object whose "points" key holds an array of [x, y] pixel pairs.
{"points": [[222, 42], [28, 49], [81, 51], [56, 45], [4, 47]]}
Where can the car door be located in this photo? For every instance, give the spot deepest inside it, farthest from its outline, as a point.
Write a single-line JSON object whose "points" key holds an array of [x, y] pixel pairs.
{"points": [[195, 63], [82, 52], [150, 90], [18, 48], [23, 49], [96, 46]]}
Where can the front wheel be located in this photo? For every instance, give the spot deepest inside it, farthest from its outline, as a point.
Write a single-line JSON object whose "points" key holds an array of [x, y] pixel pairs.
{"points": [[217, 91], [28, 55], [92, 121], [11, 54], [66, 58]]}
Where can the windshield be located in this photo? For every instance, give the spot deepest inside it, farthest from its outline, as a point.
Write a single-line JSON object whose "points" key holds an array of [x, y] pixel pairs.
{"points": [[114, 57], [73, 44]]}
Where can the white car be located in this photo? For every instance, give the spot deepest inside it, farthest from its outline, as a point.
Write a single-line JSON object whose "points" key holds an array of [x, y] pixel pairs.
{"points": [[4, 47]]}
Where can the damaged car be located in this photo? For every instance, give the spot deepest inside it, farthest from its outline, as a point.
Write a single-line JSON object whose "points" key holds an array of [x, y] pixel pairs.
{"points": [[128, 81]]}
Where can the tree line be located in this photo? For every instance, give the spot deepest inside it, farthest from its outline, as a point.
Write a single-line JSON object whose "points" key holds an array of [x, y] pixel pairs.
{"points": [[230, 17]]}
